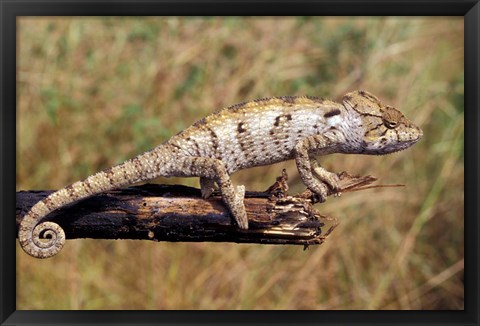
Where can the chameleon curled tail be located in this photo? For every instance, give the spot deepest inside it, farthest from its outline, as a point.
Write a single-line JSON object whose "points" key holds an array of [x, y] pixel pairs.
{"points": [[45, 239]]}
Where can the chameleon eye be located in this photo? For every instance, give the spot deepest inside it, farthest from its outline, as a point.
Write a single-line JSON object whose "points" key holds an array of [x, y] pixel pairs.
{"points": [[390, 124]]}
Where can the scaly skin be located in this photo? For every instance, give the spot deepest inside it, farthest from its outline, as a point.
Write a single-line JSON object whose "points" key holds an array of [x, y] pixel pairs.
{"points": [[260, 132]]}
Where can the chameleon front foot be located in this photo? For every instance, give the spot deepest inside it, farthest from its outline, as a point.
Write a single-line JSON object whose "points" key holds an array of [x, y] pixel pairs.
{"points": [[320, 192], [326, 177]]}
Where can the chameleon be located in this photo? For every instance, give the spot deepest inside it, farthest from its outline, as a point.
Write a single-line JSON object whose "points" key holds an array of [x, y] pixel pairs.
{"points": [[245, 135]]}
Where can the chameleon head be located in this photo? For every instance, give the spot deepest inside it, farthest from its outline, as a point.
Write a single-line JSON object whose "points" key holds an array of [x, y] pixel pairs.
{"points": [[385, 129]]}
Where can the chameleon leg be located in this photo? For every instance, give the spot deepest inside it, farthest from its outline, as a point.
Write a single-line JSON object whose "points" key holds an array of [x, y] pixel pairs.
{"points": [[328, 177], [207, 187], [313, 175], [215, 170]]}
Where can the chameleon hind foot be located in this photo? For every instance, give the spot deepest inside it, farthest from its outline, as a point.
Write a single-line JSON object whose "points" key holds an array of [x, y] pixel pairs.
{"points": [[238, 208]]}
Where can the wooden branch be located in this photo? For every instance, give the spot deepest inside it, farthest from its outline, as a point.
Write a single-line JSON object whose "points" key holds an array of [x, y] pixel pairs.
{"points": [[178, 213]]}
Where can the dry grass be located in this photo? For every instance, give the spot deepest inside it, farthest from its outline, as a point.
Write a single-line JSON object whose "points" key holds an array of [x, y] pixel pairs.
{"points": [[93, 92]]}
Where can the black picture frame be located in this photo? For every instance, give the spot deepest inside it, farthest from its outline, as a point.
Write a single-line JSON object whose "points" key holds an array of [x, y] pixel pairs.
{"points": [[12, 9]]}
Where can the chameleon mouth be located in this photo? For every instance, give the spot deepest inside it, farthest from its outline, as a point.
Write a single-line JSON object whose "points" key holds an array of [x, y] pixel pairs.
{"points": [[403, 146]]}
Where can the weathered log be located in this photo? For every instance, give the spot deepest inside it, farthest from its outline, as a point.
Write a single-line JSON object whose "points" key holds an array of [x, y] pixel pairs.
{"points": [[178, 213]]}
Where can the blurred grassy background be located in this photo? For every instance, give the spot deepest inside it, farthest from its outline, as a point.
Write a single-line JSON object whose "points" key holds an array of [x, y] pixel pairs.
{"points": [[92, 92]]}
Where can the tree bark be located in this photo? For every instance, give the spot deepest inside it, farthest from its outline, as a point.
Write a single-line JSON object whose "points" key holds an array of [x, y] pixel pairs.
{"points": [[178, 213]]}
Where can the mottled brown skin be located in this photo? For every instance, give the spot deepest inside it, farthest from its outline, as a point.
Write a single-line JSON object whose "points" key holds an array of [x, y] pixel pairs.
{"points": [[245, 135]]}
